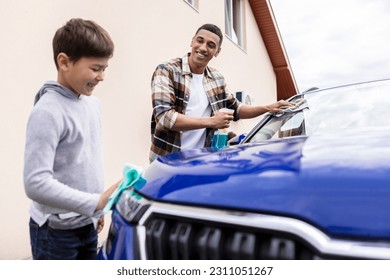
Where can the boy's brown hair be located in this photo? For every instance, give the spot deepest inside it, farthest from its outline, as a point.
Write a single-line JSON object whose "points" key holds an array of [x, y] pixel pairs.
{"points": [[82, 38]]}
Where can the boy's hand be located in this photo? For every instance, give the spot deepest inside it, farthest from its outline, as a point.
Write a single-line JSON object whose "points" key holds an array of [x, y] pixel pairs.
{"points": [[100, 225], [104, 197]]}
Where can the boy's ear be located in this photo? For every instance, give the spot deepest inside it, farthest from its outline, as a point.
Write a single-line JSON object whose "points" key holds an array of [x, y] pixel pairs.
{"points": [[63, 61]]}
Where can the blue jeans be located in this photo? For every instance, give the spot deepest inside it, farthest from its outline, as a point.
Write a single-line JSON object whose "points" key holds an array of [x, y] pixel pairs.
{"points": [[54, 244]]}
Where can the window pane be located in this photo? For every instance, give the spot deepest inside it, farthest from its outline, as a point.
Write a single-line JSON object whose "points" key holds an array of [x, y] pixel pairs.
{"points": [[193, 3], [234, 20], [228, 18]]}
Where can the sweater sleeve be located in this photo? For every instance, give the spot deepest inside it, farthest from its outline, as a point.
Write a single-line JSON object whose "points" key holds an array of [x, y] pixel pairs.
{"points": [[42, 137]]}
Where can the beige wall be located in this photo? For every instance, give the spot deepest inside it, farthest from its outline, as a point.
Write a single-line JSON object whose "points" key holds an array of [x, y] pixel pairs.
{"points": [[145, 33]]}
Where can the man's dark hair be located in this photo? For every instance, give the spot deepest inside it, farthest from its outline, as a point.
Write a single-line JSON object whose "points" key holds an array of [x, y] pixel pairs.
{"points": [[82, 38], [214, 29]]}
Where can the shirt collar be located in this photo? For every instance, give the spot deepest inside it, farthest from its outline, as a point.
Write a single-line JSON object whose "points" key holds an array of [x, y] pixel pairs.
{"points": [[186, 67]]}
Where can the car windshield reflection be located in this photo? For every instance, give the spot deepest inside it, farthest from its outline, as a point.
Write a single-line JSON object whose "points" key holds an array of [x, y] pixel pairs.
{"points": [[333, 110]]}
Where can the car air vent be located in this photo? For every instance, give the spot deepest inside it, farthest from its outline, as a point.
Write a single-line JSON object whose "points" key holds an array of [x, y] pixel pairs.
{"points": [[179, 238]]}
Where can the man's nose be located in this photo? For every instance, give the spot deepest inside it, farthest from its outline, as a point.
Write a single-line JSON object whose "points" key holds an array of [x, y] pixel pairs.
{"points": [[203, 47]]}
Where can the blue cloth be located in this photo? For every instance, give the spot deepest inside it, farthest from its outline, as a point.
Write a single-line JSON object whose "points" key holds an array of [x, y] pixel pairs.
{"points": [[132, 177]]}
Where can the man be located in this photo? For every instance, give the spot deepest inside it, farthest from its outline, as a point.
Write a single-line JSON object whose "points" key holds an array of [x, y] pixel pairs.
{"points": [[187, 95]]}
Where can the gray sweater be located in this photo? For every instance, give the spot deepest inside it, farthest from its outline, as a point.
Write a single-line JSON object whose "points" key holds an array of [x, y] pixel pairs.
{"points": [[63, 164]]}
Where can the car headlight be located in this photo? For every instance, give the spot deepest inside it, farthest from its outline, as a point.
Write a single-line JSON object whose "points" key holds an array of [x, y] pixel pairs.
{"points": [[131, 206]]}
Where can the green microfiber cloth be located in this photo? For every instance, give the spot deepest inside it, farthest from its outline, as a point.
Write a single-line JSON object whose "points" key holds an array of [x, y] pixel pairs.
{"points": [[132, 177]]}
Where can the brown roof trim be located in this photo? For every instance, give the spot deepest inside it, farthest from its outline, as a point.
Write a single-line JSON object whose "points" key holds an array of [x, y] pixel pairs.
{"points": [[285, 81]]}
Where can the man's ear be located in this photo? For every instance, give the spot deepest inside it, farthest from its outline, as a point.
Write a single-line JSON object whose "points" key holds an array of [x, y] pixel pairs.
{"points": [[217, 53], [63, 61]]}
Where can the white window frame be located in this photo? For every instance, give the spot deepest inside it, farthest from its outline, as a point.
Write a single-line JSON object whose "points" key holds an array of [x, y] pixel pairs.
{"points": [[193, 3], [234, 21]]}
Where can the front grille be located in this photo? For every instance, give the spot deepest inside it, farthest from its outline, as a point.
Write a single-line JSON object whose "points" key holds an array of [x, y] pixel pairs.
{"points": [[178, 238], [177, 232]]}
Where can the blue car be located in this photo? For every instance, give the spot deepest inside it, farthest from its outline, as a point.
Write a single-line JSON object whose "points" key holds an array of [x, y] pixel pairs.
{"points": [[311, 182]]}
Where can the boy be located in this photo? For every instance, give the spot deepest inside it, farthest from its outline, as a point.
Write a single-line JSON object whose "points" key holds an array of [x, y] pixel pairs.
{"points": [[63, 169]]}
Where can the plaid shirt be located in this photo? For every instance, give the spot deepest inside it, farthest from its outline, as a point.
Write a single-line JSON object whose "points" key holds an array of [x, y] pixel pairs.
{"points": [[170, 94]]}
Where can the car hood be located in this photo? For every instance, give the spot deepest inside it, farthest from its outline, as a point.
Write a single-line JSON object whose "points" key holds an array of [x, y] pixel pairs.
{"points": [[337, 182]]}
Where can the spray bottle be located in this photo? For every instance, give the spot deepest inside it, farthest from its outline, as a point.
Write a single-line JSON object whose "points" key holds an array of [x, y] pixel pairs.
{"points": [[220, 137]]}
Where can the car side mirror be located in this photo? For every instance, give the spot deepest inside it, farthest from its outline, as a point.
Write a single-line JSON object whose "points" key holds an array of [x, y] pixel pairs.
{"points": [[236, 139]]}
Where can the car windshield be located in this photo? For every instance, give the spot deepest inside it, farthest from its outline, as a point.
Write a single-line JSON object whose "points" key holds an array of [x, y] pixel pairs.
{"points": [[336, 109]]}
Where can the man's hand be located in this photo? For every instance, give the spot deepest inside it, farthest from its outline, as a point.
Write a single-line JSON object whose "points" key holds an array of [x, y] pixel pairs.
{"points": [[279, 106], [222, 119]]}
